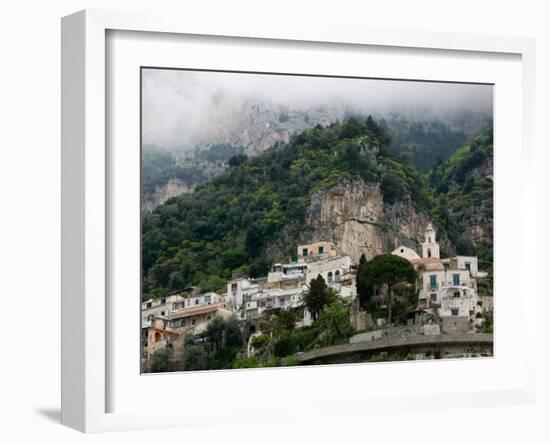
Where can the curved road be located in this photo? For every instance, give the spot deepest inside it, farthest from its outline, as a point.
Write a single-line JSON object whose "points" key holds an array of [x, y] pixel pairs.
{"points": [[394, 343]]}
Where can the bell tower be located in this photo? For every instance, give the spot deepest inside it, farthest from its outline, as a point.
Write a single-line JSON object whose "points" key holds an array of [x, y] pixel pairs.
{"points": [[430, 247]]}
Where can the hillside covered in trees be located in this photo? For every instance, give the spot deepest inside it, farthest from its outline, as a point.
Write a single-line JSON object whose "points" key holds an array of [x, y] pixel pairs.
{"points": [[224, 226], [463, 187]]}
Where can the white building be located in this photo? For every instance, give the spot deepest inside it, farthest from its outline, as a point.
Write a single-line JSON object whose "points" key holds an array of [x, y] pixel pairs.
{"points": [[158, 307], [167, 330], [198, 300], [292, 270], [286, 283], [430, 247], [469, 263], [435, 275], [270, 301], [445, 284], [406, 252], [458, 301], [332, 269], [316, 251], [238, 289]]}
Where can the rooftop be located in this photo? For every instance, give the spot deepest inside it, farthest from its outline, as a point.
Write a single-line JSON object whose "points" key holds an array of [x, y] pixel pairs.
{"points": [[199, 310]]}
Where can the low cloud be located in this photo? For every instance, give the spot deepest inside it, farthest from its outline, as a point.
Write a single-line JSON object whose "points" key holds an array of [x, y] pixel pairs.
{"points": [[176, 103]]}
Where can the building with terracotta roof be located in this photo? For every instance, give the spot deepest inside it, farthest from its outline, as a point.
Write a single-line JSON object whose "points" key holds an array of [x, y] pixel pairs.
{"points": [[443, 278]]}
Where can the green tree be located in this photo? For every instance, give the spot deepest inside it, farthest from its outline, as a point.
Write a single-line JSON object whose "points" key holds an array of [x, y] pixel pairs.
{"points": [[361, 281], [284, 321], [317, 296], [225, 341], [387, 271], [195, 356], [392, 187], [237, 160], [162, 360], [334, 324]]}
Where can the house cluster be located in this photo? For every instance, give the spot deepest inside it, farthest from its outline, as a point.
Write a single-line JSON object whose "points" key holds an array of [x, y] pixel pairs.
{"points": [[447, 287], [168, 319]]}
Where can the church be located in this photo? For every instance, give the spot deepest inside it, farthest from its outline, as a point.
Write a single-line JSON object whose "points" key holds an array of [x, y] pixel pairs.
{"points": [[446, 286]]}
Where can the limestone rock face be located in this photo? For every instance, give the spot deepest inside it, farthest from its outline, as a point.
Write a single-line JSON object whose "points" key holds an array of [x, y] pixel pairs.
{"points": [[257, 125], [355, 218], [173, 187]]}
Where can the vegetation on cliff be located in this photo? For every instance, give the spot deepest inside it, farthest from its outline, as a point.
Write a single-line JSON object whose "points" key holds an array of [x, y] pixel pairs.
{"points": [[464, 190], [224, 226]]}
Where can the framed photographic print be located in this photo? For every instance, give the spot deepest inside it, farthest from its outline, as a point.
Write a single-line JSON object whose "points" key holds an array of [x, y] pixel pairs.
{"points": [[270, 211]]}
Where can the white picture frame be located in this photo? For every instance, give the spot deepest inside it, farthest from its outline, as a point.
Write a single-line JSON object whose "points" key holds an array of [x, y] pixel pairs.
{"points": [[86, 199]]}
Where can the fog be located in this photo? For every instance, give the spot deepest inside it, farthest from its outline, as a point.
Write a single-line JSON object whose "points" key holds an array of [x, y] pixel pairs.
{"points": [[175, 103]]}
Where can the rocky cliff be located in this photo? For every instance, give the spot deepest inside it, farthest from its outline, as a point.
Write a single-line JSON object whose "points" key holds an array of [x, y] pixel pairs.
{"points": [[354, 216], [163, 193], [256, 125]]}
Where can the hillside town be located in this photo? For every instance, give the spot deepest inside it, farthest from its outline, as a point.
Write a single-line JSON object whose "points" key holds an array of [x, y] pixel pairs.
{"points": [[447, 289]]}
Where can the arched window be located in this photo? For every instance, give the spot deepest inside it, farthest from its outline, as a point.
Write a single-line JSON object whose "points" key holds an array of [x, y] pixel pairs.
{"points": [[337, 275], [158, 337], [429, 253], [329, 277]]}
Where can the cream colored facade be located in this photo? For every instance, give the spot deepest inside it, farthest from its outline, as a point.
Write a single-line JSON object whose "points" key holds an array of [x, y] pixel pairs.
{"points": [[332, 269], [198, 300], [447, 287], [192, 320], [158, 307], [316, 250], [273, 300], [457, 301], [406, 252], [430, 247], [434, 278]]}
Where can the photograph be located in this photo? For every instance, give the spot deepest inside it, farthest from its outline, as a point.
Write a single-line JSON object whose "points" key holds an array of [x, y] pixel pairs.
{"points": [[299, 220]]}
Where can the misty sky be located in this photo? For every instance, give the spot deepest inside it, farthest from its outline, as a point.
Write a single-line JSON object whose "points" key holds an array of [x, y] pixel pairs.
{"points": [[176, 103]]}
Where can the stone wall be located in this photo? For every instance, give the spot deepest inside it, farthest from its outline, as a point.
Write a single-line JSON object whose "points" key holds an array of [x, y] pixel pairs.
{"points": [[454, 325]]}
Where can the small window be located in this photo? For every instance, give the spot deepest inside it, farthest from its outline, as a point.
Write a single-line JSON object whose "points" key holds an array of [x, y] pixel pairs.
{"points": [[337, 275], [329, 276], [163, 301], [304, 252], [454, 311], [149, 304], [193, 321], [468, 265], [429, 253], [197, 301], [321, 250], [456, 279], [402, 250], [234, 287]]}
